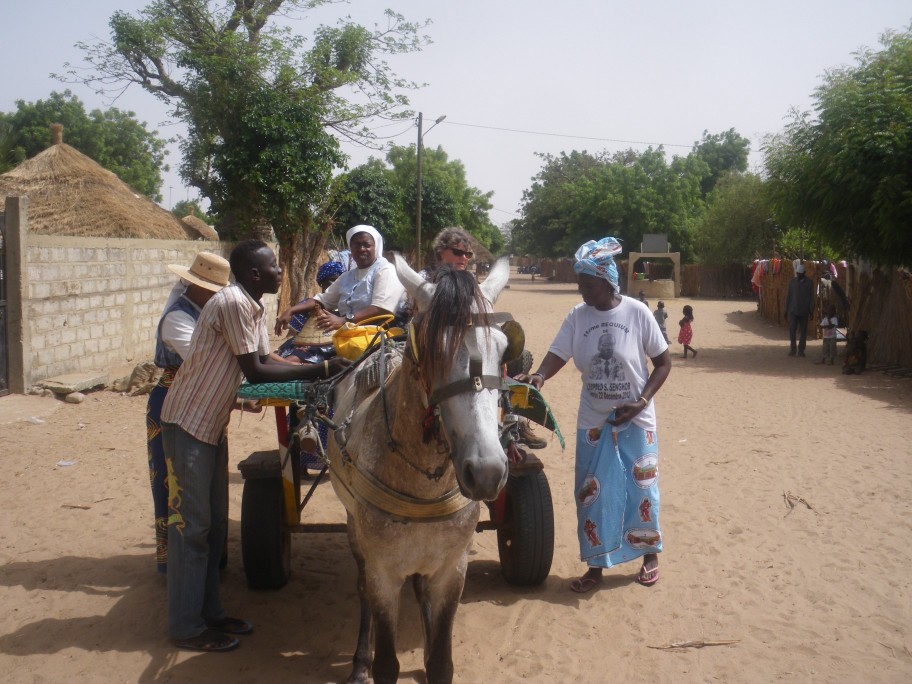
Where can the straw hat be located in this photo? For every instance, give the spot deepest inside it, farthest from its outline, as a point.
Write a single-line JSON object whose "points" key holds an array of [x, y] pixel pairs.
{"points": [[209, 271], [311, 335]]}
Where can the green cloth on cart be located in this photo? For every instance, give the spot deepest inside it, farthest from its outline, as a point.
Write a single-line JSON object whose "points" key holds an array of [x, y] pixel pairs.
{"points": [[529, 403], [294, 390]]}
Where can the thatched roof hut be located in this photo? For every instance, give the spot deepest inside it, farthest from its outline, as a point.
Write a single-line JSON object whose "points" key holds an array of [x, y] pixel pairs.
{"points": [[202, 230], [70, 194]]}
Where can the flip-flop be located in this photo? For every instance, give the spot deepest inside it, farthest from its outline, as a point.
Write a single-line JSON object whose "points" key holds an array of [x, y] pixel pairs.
{"points": [[209, 641], [648, 577], [230, 625], [582, 585]]}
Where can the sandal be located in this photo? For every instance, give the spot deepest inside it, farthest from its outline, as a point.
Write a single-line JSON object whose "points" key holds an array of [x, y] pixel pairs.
{"points": [[648, 577], [584, 584], [230, 625], [209, 641]]}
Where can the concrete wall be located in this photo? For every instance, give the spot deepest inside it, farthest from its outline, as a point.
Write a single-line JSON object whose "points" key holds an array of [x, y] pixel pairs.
{"points": [[87, 304]]}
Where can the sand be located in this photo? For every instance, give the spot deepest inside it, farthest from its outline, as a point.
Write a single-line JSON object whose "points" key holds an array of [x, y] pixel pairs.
{"points": [[818, 590]]}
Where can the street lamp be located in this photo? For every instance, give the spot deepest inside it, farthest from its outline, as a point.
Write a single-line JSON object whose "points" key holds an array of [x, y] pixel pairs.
{"points": [[418, 198]]}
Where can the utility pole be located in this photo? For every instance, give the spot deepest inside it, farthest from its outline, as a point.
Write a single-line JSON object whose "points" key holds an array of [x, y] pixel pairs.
{"points": [[418, 197]]}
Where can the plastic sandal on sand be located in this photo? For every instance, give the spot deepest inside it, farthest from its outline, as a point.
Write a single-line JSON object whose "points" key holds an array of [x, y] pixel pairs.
{"points": [[648, 577], [209, 641], [584, 584]]}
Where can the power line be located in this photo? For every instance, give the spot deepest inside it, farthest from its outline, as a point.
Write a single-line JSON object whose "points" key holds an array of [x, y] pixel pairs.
{"points": [[566, 135]]}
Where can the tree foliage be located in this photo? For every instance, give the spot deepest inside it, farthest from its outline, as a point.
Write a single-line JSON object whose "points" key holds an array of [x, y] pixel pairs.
{"points": [[385, 196], [579, 196], [737, 226], [189, 208], [113, 138], [845, 174], [723, 153], [259, 102], [369, 194]]}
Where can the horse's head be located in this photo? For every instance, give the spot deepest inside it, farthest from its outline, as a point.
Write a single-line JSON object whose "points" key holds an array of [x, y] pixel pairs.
{"points": [[459, 355]]}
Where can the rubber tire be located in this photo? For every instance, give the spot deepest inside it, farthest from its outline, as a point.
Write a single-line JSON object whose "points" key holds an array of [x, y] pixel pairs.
{"points": [[265, 540], [525, 539], [523, 364]]}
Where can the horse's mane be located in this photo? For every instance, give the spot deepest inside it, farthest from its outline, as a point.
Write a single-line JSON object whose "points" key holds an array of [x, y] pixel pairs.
{"points": [[456, 298]]}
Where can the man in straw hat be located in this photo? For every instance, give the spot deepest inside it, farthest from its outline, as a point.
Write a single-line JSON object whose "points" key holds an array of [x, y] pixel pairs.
{"points": [[231, 342], [207, 275]]}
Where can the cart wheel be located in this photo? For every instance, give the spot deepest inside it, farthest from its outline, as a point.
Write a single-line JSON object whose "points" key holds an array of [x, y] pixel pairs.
{"points": [[525, 539], [265, 540]]}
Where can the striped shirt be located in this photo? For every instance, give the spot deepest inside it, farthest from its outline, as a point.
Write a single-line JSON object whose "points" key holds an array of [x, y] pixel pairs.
{"points": [[205, 388]]}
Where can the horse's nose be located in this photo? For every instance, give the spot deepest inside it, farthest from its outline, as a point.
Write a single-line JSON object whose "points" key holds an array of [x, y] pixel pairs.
{"points": [[482, 479]]}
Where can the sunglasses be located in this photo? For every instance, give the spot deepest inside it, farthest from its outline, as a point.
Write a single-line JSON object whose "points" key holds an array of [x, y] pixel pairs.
{"points": [[461, 253]]}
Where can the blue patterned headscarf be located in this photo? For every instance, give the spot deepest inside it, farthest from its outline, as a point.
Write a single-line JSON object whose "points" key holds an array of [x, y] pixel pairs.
{"points": [[597, 259], [331, 269]]}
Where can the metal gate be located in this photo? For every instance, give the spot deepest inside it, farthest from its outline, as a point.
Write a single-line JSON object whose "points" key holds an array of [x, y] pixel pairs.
{"points": [[4, 339]]}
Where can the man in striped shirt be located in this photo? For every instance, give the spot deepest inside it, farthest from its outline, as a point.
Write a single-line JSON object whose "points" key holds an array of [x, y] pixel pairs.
{"points": [[230, 342]]}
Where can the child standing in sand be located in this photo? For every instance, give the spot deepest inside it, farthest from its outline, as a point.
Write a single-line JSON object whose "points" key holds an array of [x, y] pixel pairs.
{"points": [[686, 334], [660, 316], [828, 326]]}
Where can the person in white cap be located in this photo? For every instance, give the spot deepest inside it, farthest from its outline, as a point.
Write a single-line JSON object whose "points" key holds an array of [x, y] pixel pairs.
{"points": [[799, 305], [197, 284]]}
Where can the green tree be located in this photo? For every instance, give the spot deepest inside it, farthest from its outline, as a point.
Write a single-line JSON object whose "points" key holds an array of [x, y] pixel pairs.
{"points": [[386, 195], [737, 225], [579, 197], [113, 138], [369, 194], [260, 102], [845, 175], [189, 208], [723, 153]]}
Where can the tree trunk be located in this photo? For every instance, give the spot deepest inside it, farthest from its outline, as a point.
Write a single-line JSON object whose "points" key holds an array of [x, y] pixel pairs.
{"points": [[299, 256]]}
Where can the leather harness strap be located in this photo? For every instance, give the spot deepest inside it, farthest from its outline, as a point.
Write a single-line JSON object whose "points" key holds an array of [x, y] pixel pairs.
{"points": [[354, 485]]}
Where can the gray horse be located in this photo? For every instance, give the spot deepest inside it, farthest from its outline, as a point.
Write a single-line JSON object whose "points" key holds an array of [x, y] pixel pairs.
{"points": [[413, 459]]}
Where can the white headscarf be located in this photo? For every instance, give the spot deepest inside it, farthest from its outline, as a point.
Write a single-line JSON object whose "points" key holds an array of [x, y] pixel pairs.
{"points": [[370, 230]]}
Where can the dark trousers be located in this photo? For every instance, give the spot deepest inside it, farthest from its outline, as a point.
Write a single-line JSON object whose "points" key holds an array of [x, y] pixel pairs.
{"points": [[798, 324]]}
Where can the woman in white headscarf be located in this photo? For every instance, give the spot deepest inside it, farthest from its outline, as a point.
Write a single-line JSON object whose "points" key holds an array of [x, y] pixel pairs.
{"points": [[370, 289], [609, 338]]}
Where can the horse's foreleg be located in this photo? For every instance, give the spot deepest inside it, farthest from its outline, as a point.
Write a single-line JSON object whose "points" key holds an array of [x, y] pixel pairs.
{"points": [[386, 619], [361, 662], [438, 650], [420, 585]]}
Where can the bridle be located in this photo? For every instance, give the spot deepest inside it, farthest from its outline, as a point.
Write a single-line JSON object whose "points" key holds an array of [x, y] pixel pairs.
{"points": [[367, 489]]}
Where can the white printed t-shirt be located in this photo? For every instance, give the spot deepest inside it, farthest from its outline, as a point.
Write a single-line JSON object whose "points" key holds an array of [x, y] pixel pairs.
{"points": [[610, 349]]}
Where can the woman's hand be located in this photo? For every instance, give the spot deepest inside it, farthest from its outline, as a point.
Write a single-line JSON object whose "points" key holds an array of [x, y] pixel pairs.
{"points": [[282, 321], [626, 412], [534, 379], [327, 321]]}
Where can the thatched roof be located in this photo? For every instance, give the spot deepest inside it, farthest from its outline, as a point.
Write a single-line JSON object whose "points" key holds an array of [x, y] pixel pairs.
{"points": [[202, 229], [69, 194]]}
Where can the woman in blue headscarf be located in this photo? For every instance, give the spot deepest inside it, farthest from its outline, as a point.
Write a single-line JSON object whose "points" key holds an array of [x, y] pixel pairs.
{"points": [[609, 336]]}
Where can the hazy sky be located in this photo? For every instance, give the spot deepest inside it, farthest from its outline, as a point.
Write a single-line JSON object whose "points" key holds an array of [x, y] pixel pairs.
{"points": [[517, 77]]}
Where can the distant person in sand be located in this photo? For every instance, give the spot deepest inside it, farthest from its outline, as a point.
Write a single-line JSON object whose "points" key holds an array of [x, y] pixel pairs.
{"points": [[799, 305], [661, 316], [685, 334], [828, 326]]}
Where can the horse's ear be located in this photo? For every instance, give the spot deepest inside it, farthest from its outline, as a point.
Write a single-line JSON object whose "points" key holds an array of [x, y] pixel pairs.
{"points": [[497, 278], [418, 289]]}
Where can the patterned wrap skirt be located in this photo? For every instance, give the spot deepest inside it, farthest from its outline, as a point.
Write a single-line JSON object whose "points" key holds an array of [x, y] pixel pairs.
{"points": [[616, 488]]}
